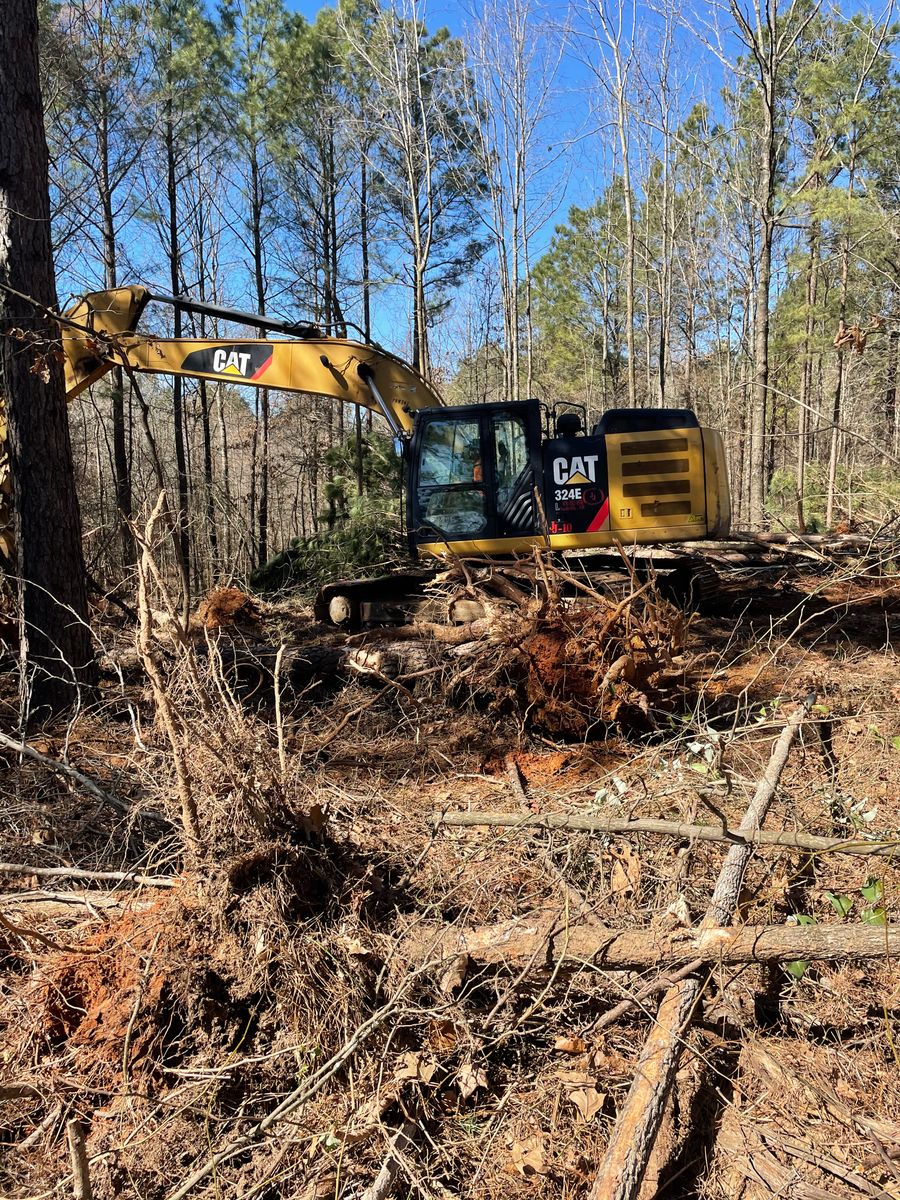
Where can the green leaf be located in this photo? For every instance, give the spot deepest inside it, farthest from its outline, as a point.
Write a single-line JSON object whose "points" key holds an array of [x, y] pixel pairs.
{"points": [[895, 742], [821, 709], [803, 919], [874, 916], [873, 889], [797, 968], [840, 903]]}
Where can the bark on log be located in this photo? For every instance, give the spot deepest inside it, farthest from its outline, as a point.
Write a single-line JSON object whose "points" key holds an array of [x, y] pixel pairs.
{"points": [[542, 939], [787, 839], [747, 1155], [631, 1144]]}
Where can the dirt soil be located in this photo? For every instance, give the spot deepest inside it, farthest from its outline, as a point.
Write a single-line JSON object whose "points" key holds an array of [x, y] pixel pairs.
{"points": [[268, 962]]}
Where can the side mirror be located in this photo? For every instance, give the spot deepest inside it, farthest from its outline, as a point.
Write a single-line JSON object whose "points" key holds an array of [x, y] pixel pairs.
{"points": [[398, 446]]}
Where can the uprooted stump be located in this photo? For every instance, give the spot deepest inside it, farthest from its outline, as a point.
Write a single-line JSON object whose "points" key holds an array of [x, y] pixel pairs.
{"points": [[567, 664]]}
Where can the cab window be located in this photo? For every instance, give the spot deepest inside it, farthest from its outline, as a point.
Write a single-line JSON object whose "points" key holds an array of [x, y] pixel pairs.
{"points": [[451, 492], [511, 455], [451, 453]]}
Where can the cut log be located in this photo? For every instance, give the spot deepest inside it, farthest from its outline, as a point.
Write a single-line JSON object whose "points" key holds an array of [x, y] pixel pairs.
{"points": [[786, 839], [549, 944]]}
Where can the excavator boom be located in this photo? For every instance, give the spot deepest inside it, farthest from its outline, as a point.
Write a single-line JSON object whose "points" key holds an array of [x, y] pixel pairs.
{"points": [[99, 334]]}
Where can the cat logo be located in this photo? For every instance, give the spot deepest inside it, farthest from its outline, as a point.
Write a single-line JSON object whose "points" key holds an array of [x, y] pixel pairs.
{"points": [[247, 360], [578, 469]]}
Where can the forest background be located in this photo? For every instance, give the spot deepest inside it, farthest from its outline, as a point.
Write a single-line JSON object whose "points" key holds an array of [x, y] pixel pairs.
{"points": [[609, 205]]}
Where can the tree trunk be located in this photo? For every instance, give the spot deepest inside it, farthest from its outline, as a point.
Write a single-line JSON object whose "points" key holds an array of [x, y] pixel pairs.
{"points": [[56, 638], [121, 464], [177, 383], [806, 376], [261, 443], [835, 444]]}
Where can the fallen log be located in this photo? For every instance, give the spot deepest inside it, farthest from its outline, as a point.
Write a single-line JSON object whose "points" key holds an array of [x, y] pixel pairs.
{"points": [[548, 943], [625, 1163], [787, 839]]}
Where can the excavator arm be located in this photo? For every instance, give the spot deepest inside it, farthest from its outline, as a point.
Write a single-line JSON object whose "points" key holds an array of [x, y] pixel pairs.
{"points": [[99, 334]]}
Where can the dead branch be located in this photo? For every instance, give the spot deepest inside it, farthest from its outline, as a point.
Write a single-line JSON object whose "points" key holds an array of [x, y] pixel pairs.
{"points": [[630, 1146], [81, 1176], [161, 881], [807, 1153], [51, 905], [789, 1082], [189, 816], [383, 1184], [656, 985], [28, 934], [788, 839], [58, 767], [515, 782], [747, 1155]]}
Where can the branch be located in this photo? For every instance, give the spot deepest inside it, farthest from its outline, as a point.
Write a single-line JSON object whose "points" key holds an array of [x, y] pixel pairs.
{"points": [[81, 1177], [680, 829], [58, 767], [161, 881]]}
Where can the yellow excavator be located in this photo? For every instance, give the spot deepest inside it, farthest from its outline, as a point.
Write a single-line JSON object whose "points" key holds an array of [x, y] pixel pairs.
{"points": [[489, 479]]}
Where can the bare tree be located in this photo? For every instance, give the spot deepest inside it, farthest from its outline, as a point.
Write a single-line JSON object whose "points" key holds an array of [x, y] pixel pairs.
{"points": [[612, 30], [516, 53], [55, 635], [424, 160], [769, 35]]}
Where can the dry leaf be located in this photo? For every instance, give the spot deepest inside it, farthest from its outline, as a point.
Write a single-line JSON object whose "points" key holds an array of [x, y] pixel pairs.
{"points": [[581, 1090], [354, 946], [469, 1079], [39, 367], [570, 1045], [364, 1122], [320, 1188], [626, 874], [442, 1035], [413, 1065], [528, 1156], [611, 1064]]}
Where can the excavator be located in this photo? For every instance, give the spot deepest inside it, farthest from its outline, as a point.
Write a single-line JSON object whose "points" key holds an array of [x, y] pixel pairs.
{"points": [[481, 480]]}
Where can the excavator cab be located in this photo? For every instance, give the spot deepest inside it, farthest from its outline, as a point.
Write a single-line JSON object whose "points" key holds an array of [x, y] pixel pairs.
{"points": [[483, 479], [472, 474]]}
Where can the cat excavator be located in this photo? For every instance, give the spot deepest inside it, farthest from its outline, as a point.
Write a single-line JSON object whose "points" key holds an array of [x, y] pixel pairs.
{"points": [[491, 479]]}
